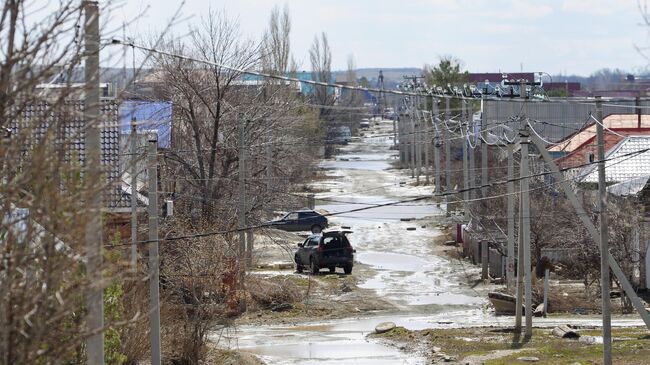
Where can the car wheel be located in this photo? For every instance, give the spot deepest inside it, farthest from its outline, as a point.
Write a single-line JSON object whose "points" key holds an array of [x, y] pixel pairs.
{"points": [[299, 266], [332, 269], [313, 266], [316, 228], [347, 269]]}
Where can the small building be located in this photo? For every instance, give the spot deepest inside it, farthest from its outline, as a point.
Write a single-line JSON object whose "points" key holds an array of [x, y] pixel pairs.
{"points": [[497, 77]]}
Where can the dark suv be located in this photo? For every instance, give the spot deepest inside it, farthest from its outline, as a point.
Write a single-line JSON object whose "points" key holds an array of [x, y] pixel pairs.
{"points": [[301, 220], [330, 250]]}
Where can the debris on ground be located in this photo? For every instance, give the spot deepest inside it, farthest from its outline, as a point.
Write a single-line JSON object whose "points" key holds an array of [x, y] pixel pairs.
{"points": [[384, 327], [565, 331]]}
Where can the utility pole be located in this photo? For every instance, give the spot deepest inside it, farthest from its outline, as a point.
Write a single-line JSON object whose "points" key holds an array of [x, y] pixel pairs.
{"points": [[134, 196], [395, 117], [637, 103], [604, 244], [484, 148], [472, 155], [402, 140], [465, 162], [412, 140], [427, 143], [93, 233], [418, 142], [510, 259], [520, 266], [447, 142], [524, 136], [436, 145], [154, 262], [241, 212], [525, 201]]}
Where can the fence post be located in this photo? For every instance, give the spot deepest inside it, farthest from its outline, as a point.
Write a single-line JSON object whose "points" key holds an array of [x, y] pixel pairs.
{"points": [[546, 274], [484, 260]]}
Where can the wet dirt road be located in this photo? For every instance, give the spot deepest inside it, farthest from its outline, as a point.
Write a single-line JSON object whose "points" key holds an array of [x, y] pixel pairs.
{"points": [[398, 264], [396, 259]]}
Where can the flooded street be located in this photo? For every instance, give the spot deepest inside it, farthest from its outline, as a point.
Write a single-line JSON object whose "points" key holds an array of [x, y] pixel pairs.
{"points": [[395, 257]]}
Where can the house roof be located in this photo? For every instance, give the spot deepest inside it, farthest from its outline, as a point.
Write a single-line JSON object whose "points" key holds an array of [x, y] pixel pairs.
{"points": [[574, 141], [630, 187], [614, 136], [622, 164], [74, 136], [498, 76]]}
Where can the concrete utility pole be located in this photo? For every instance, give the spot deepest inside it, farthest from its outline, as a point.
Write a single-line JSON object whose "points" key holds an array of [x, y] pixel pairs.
{"points": [[447, 142], [520, 268], [510, 260], [241, 212], [402, 141], [134, 196], [395, 116], [93, 233], [436, 145], [465, 162], [418, 142], [472, 155], [154, 262], [524, 137], [412, 140], [427, 144], [484, 148], [525, 201], [604, 244]]}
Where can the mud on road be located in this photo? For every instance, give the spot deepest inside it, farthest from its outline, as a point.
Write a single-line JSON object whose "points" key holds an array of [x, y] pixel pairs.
{"points": [[401, 272]]}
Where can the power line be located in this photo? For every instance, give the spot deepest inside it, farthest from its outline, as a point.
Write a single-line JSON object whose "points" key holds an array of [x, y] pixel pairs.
{"points": [[435, 195], [437, 92]]}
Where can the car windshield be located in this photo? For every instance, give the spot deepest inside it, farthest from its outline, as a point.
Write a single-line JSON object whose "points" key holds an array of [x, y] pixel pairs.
{"points": [[291, 216]]}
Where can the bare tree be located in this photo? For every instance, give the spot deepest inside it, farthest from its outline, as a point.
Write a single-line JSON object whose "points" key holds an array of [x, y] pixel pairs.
{"points": [[276, 44], [43, 222], [320, 57]]}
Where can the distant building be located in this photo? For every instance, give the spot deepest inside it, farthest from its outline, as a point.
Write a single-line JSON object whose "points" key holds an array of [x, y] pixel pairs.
{"points": [[497, 77], [73, 90]]}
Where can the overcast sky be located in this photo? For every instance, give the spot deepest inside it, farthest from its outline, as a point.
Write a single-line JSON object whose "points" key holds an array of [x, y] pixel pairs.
{"points": [[556, 36]]}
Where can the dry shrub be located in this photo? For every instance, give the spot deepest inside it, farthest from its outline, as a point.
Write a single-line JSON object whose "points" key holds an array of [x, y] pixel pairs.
{"points": [[194, 294], [135, 336], [268, 292]]}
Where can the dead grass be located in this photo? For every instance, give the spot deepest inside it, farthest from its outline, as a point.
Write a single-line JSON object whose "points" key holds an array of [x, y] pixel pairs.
{"points": [[632, 346], [282, 289]]}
